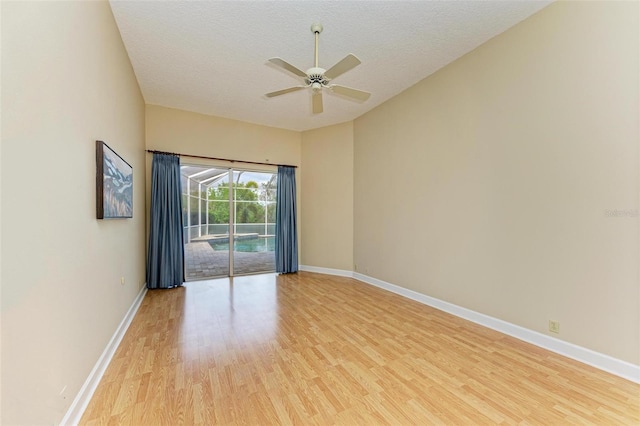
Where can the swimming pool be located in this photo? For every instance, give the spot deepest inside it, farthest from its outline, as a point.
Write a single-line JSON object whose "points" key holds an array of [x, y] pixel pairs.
{"points": [[254, 245]]}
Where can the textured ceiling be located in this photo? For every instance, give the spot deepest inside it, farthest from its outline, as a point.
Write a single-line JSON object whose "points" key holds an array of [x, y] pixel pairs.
{"points": [[211, 56]]}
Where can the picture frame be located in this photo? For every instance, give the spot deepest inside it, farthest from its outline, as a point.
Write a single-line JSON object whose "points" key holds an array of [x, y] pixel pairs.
{"points": [[114, 184]]}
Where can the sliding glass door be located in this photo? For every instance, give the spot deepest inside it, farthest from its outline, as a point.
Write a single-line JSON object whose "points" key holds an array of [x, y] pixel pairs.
{"points": [[229, 220]]}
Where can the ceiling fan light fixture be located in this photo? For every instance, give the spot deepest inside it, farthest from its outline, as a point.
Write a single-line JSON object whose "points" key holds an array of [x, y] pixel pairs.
{"points": [[318, 78]]}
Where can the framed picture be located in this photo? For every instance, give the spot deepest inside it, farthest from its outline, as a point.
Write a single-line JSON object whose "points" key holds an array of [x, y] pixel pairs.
{"points": [[114, 184]]}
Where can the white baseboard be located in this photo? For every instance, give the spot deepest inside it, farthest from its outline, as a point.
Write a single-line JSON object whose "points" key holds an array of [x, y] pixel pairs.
{"points": [[595, 359], [328, 271], [79, 404]]}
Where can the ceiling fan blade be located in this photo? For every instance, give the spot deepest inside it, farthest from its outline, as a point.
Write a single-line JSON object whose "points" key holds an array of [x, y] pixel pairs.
{"points": [[349, 62], [317, 102], [352, 93], [282, 92], [287, 66]]}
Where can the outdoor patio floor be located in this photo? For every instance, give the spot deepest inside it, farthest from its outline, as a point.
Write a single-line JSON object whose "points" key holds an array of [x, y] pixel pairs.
{"points": [[203, 262]]}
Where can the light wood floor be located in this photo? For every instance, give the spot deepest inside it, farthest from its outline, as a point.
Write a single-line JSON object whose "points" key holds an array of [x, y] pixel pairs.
{"points": [[316, 349]]}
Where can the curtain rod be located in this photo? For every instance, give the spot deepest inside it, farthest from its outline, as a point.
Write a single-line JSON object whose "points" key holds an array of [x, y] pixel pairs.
{"points": [[220, 159]]}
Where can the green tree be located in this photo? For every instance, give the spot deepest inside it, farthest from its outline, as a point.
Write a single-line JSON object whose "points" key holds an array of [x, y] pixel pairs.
{"points": [[219, 204], [268, 197], [248, 207]]}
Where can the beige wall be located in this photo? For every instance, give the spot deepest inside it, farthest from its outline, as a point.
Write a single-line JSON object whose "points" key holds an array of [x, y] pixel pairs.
{"points": [[187, 132], [327, 195], [492, 183], [192, 133], [66, 81]]}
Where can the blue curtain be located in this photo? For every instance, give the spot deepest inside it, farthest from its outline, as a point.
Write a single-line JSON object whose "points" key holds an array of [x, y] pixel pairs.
{"points": [[286, 234], [165, 257]]}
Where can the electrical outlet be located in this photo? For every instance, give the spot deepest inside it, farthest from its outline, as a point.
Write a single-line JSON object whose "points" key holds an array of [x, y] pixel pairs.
{"points": [[121, 280], [554, 326]]}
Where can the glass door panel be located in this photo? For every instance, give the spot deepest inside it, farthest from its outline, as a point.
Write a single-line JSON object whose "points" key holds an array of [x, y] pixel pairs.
{"points": [[205, 196], [254, 195]]}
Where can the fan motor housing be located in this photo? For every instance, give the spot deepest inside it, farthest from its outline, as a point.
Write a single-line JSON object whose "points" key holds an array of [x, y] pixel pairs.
{"points": [[316, 75]]}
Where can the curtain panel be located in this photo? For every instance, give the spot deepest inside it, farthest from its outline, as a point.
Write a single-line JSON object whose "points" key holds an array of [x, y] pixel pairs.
{"points": [[286, 230], [165, 258]]}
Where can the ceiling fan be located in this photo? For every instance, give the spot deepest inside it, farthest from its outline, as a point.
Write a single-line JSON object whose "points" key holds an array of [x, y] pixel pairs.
{"points": [[318, 78]]}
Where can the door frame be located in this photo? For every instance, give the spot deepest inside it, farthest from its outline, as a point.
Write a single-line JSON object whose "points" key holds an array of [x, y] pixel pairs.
{"points": [[232, 208]]}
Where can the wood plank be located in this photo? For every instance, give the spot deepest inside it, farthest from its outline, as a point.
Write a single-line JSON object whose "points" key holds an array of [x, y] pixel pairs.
{"points": [[315, 349]]}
